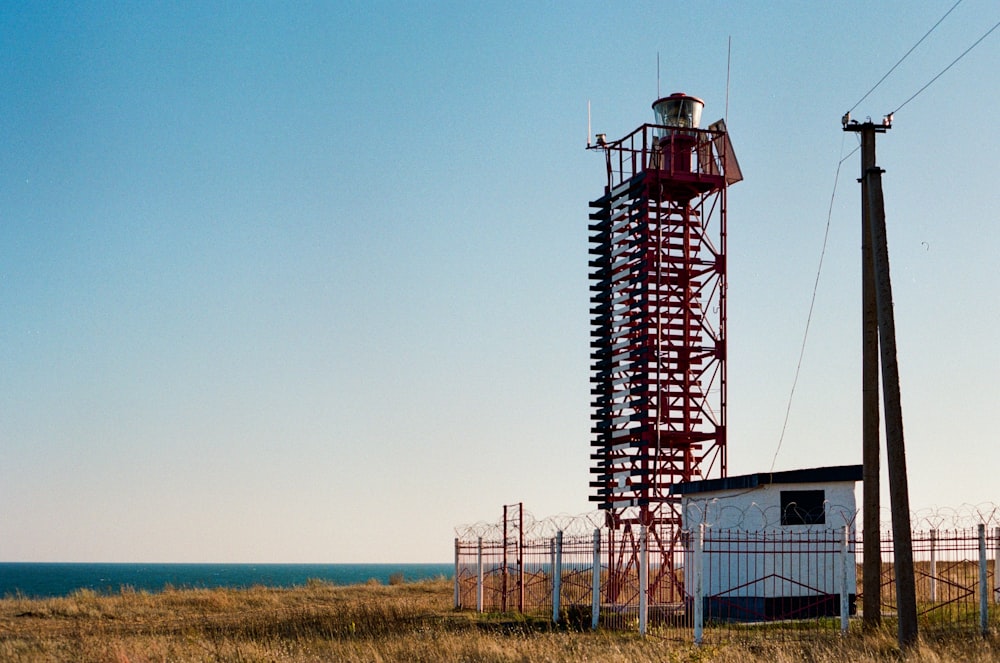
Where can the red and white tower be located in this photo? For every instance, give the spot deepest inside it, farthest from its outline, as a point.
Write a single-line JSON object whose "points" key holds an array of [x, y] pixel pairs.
{"points": [[658, 316]]}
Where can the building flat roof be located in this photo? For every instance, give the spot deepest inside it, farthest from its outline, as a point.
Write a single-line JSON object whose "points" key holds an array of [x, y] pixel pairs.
{"points": [[743, 482]]}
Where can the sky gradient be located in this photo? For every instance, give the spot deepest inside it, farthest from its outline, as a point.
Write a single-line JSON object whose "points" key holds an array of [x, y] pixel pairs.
{"points": [[308, 282]]}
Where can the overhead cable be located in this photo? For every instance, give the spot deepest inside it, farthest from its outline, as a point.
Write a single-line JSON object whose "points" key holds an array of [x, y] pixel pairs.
{"points": [[953, 63], [912, 48], [812, 303]]}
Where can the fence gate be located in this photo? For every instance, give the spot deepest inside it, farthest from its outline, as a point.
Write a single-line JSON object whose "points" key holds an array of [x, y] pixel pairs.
{"points": [[773, 576]]}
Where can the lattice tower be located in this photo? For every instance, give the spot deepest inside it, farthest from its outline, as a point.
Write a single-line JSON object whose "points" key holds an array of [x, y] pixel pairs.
{"points": [[658, 316]]}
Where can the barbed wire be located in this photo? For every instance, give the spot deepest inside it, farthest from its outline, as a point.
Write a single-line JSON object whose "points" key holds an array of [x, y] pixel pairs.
{"points": [[719, 514], [716, 514], [581, 524], [948, 518]]}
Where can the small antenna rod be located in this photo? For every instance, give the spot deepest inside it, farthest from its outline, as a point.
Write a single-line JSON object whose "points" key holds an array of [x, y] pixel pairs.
{"points": [[657, 74], [729, 58], [588, 123]]}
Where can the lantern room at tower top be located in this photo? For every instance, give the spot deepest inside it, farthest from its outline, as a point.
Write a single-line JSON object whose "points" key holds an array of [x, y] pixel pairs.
{"points": [[658, 313]]}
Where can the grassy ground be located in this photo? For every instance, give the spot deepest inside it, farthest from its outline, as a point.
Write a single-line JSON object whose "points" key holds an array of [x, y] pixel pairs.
{"points": [[402, 622]]}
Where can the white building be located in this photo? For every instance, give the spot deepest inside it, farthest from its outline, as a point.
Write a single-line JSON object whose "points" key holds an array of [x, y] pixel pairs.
{"points": [[773, 542]]}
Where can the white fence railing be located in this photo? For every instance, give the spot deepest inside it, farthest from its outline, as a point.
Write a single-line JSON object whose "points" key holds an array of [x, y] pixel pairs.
{"points": [[709, 583]]}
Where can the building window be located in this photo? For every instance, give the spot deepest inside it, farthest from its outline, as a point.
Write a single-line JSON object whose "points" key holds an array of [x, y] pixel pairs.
{"points": [[803, 507]]}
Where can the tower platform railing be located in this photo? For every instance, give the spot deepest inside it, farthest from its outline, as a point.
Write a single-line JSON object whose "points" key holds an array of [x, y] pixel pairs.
{"points": [[649, 147]]}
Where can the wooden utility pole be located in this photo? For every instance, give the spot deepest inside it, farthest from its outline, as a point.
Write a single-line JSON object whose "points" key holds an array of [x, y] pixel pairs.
{"points": [[871, 515], [906, 599], [899, 492]]}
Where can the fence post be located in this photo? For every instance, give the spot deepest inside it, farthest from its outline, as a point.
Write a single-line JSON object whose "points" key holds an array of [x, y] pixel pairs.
{"points": [[520, 557], [996, 565], [696, 591], [933, 578], [506, 570], [983, 587], [557, 577], [552, 564], [479, 575], [643, 579], [845, 598], [595, 610], [458, 595]]}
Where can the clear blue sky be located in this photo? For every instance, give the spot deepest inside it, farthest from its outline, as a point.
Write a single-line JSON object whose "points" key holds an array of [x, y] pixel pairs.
{"points": [[308, 282]]}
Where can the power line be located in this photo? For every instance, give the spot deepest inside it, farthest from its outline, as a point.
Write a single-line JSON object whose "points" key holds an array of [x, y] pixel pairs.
{"points": [[812, 303], [906, 55], [953, 63], [826, 234]]}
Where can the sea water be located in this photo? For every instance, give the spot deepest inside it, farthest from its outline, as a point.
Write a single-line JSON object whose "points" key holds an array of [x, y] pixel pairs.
{"points": [[49, 579]]}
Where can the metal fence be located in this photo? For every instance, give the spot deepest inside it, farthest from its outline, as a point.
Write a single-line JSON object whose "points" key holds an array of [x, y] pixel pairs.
{"points": [[956, 581], [710, 585]]}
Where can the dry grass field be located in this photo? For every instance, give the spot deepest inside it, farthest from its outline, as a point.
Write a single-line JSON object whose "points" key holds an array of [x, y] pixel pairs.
{"points": [[373, 623]]}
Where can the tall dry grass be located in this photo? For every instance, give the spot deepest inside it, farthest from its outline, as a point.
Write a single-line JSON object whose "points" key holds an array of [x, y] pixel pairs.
{"points": [[375, 623]]}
